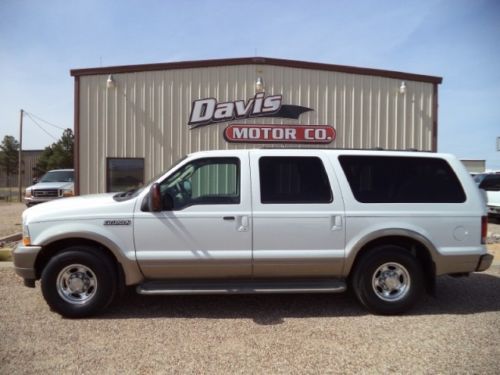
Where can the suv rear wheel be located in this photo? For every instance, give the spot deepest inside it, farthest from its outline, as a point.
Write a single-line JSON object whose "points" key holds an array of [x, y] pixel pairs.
{"points": [[388, 280], [79, 282]]}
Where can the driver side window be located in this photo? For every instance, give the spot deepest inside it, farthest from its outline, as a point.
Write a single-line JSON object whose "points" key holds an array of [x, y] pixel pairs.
{"points": [[203, 181]]}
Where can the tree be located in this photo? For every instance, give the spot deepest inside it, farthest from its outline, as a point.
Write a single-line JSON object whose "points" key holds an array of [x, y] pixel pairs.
{"points": [[58, 155], [9, 156]]}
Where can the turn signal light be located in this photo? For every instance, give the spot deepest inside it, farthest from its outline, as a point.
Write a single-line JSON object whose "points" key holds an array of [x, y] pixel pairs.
{"points": [[26, 235]]}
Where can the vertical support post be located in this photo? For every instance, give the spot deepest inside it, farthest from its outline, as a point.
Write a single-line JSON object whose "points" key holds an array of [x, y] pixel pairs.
{"points": [[19, 176]]}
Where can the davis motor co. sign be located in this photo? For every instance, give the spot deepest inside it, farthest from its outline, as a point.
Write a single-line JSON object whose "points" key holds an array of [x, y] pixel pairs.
{"points": [[209, 111]]}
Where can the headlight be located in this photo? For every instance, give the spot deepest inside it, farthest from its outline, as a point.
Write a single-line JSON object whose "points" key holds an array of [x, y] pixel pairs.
{"points": [[28, 193], [66, 193], [26, 236]]}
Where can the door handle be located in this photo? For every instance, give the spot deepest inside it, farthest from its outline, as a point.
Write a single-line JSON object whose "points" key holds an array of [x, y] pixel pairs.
{"points": [[228, 218], [243, 224]]}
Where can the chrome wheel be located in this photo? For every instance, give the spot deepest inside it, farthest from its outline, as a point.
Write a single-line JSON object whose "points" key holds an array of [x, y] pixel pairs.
{"points": [[76, 284], [391, 282]]}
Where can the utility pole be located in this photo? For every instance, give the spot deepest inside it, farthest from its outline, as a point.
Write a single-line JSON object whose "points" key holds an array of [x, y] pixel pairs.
{"points": [[19, 177]]}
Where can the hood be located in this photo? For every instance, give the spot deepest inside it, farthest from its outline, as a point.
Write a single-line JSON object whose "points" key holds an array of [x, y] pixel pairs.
{"points": [[85, 207], [52, 185]]}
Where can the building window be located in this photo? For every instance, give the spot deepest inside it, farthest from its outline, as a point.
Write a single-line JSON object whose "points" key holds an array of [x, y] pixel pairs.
{"points": [[124, 174], [203, 181], [293, 180]]}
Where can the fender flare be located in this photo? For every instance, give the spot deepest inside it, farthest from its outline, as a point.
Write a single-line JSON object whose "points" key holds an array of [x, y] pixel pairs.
{"points": [[354, 250]]}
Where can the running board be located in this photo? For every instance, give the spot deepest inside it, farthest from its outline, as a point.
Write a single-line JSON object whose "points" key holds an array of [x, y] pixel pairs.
{"points": [[241, 287]]}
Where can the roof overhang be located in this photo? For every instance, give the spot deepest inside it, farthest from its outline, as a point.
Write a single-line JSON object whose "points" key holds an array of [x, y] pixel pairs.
{"points": [[256, 61]]}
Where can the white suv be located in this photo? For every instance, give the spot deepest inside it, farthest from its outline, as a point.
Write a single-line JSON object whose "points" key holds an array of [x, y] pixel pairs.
{"points": [[264, 221]]}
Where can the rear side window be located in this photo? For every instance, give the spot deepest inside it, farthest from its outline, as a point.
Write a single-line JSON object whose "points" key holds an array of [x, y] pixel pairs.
{"points": [[490, 182], [389, 179], [293, 180]]}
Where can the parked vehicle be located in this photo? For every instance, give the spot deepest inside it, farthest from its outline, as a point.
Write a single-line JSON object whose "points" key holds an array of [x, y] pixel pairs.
{"points": [[57, 183], [384, 224], [490, 183]]}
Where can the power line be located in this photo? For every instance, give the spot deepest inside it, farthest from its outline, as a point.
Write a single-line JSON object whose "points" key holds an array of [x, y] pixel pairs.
{"points": [[40, 126], [45, 121]]}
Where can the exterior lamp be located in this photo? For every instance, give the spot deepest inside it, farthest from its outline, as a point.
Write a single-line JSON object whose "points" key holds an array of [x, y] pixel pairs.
{"points": [[259, 84], [110, 83], [402, 88]]}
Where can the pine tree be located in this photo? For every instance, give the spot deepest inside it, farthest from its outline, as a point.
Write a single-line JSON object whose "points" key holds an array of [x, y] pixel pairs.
{"points": [[9, 156], [57, 156]]}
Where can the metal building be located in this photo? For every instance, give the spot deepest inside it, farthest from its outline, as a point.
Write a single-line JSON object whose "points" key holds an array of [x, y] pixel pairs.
{"points": [[132, 122], [474, 165], [29, 159]]}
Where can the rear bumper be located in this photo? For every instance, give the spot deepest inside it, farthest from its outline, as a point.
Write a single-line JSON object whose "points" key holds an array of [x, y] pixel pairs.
{"points": [[484, 263], [454, 264], [24, 261]]}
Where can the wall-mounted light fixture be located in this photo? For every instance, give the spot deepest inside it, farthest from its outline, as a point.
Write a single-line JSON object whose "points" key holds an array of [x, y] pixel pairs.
{"points": [[402, 88], [110, 83], [259, 84]]}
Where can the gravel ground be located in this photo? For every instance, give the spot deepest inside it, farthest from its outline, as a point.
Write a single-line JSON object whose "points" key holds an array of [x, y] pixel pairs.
{"points": [[456, 332], [10, 218]]}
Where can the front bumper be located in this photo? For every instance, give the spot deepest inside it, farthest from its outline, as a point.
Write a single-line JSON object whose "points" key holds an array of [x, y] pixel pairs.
{"points": [[484, 262], [29, 201], [24, 261]]}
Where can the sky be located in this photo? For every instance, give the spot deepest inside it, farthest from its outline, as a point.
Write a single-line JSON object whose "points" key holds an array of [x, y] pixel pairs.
{"points": [[459, 40]]}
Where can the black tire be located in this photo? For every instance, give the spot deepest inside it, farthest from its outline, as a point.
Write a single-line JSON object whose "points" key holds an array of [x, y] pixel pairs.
{"points": [[388, 280], [94, 282]]}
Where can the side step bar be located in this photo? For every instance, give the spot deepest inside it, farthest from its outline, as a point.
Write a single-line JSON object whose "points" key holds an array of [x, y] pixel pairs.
{"points": [[242, 286]]}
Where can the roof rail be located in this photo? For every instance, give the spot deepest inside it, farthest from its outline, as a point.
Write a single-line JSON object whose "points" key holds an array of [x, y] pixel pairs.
{"points": [[342, 149]]}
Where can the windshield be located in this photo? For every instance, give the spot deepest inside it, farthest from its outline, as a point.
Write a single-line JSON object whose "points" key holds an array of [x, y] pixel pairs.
{"points": [[58, 176], [479, 177]]}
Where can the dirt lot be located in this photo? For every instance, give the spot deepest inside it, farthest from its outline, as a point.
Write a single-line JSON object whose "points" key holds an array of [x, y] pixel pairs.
{"points": [[456, 332], [10, 218]]}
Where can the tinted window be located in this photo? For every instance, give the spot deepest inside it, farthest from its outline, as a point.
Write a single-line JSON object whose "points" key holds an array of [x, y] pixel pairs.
{"points": [[387, 179], [203, 181], [490, 182], [293, 180], [479, 178]]}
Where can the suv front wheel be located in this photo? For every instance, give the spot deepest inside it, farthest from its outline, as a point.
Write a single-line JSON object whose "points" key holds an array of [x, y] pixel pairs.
{"points": [[388, 280], [79, 282]]}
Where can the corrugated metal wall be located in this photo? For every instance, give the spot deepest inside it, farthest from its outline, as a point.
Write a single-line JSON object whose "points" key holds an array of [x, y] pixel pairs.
{"points": [[146, 114], [29, 160], [475, 166]]}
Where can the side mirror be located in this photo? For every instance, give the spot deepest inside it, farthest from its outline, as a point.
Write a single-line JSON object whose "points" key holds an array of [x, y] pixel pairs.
{"points": [[154, 198]]}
